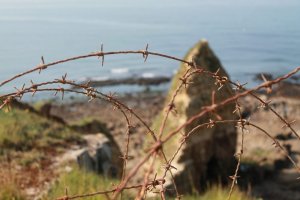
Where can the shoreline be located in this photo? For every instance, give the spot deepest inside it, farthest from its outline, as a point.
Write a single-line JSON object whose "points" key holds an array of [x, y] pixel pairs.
{"points": [[160, 84]]}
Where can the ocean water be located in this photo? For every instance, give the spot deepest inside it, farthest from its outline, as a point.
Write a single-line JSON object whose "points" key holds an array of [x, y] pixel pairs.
{"points": [[248, 36]]}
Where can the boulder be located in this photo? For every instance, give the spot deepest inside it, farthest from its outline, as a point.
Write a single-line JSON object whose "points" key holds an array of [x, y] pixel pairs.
{"points": [[208, 154], [101, 156], [45, 111]]}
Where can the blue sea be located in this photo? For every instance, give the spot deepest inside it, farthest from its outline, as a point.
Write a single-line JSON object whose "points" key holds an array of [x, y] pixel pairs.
{"points": [[249, 37]]}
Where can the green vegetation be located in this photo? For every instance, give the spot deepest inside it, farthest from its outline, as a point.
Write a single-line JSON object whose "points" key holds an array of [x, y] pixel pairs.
{"points": [[216, 193], [39, 104], [26, 141], [220, 193], [10, 192], [80, 182], [28, 137], [21, 130]]}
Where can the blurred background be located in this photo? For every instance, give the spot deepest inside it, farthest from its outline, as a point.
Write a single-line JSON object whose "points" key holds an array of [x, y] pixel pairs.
{"points": [[249, 37], [41, 142]]}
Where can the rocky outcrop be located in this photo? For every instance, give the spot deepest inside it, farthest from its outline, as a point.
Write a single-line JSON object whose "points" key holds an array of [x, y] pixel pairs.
{"points": [[208, 154], [142, 81], [101, 156], [45, 110]]}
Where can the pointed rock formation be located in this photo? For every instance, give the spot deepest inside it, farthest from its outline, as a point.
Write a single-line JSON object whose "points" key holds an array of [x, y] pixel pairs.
{"points": [[208, 154]]}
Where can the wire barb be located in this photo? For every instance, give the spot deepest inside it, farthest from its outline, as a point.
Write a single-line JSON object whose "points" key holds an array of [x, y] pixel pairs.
{"points": [[102, 55], [145, 53]]}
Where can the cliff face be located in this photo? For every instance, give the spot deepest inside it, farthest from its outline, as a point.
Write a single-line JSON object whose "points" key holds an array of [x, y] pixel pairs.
{"points": [[208, 154]]}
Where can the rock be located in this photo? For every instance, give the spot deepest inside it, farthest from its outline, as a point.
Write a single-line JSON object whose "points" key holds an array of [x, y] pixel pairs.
{"points": [[101, 156], [283, 136], [208, 154], [85, 160], [22, 106], [142, 81], [93, 126], [259, 76], [45, 111]]}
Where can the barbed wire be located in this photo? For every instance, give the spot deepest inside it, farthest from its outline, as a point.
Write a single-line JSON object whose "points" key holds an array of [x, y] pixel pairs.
{"points": [[159, 138]]}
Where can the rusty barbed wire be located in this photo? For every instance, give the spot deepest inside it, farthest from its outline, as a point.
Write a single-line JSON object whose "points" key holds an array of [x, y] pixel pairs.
{"points": [[156, 148]]}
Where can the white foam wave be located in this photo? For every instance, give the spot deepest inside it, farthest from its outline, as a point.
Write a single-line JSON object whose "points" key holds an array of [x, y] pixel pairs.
{"points": [[148, 75], [100, 78], [119, 70]]}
